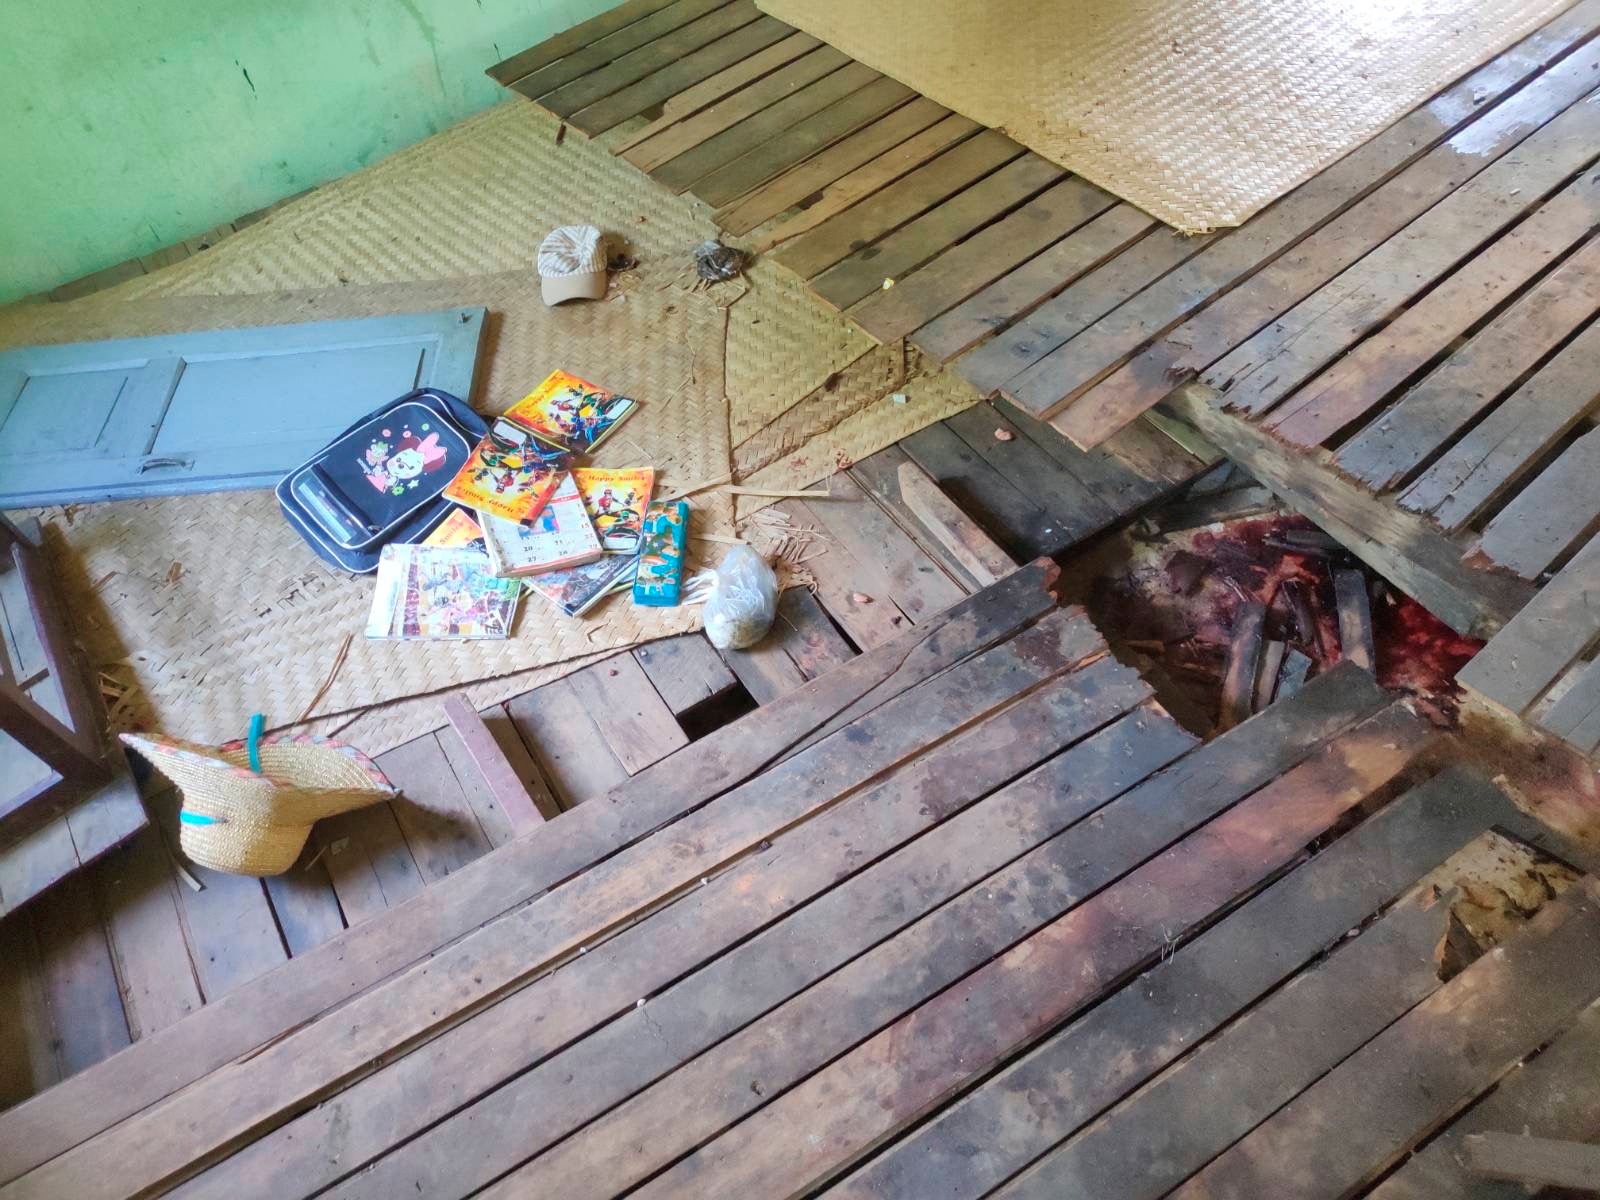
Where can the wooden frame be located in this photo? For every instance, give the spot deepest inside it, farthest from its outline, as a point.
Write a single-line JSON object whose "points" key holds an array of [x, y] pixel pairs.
{"points": [[70, 748]]}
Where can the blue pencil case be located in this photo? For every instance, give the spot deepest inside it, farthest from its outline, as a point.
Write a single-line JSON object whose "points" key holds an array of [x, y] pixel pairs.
{"points": [[659, 583], [379, 482]]}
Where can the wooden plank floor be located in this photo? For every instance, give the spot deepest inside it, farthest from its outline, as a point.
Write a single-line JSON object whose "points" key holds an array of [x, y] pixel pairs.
{"points": [[1403, 347], [133, 948], [1025, 938]]}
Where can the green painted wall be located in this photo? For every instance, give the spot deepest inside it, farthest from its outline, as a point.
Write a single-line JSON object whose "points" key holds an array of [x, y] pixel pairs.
{"points": [[129, 125]]}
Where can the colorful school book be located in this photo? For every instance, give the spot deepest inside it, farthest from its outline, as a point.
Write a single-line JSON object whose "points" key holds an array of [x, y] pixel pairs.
{"points": [[440, 592], [560, 536], [616, 501], [659, 583], [578, 590], [458, 529], [509, 474], [570, 413]]}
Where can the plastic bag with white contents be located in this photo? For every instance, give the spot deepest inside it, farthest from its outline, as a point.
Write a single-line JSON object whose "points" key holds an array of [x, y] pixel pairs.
{"points": [[741, 598]]}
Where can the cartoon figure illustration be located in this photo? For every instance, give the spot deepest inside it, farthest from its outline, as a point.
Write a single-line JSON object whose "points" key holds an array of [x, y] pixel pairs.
{"points": [[402, 469]]}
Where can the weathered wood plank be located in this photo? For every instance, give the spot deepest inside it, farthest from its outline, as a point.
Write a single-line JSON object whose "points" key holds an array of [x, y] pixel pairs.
{"points": [[565, 738], [891, 207], [1036, 1103], [158, 1065], [1020, 290], [796, 144], [1532, 1161], [1017, 521], [1398, 545], [756, 972], [490, 780], [138, 896], [583, 85], [1261, 371], [1359, 382], [27, 1063], [979, 555], [670, 74], [251, 1096], [866, 180], [1355, 619], [1575, 718], [635, 722], [829, 166], [562, 44], [907, 248], [1338, 209], [689, 102], [632, 1141], [1506, 444], [1244, 664], [685, 671], [368, 861], [1550, 516], [759, 127], [822, 1125], [304, 904], [963, 269], [593, 56], [1423, 1068], [80, 980], [1467, 383], [1078, 306], [1556, 1094], [1471, 165], [1171, 1128], [1075, 508], [439, 825], [888, 564], [1543, 640], [685, 135]]}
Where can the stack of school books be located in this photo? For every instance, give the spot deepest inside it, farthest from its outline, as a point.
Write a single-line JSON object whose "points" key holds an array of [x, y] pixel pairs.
{"points": [[572, 534]]}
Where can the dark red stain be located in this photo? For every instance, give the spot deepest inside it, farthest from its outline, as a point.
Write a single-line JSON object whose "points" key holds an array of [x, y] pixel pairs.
{"points": [[1416, 652]]}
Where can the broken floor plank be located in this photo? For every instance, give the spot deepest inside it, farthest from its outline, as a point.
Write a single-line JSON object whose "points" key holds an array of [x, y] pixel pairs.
{"points": [[160, 1063]]}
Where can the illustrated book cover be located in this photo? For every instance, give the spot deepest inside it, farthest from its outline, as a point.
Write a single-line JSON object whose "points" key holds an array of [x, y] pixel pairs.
{"points": [[579, 589], [440, 592], [460, 528], [570, 413], [616, 501], [509, 474], [559, 536]]}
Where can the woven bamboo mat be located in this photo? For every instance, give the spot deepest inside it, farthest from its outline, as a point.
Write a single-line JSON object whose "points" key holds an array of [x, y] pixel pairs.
{"points": [[201, 610], [1201, 113]]}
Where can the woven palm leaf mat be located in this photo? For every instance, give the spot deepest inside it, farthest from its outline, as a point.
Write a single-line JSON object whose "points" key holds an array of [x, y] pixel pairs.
{"points": [[1201, 112], [201, 610]]}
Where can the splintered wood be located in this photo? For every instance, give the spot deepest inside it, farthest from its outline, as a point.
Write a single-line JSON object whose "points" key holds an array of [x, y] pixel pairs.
{"points": [[789, 956]]}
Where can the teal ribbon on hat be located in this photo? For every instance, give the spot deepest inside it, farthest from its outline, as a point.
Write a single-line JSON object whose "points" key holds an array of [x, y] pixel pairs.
{"points": [[258, 725]]}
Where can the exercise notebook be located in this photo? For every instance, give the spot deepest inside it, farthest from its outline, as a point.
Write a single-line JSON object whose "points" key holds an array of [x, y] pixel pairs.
{"points": [[570, 413], [437, 592], [559, 536], [509, 474], [616, 500]]}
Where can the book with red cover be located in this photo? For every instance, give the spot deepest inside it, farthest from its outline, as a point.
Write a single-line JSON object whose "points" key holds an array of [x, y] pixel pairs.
{"points": [[509, 474]]}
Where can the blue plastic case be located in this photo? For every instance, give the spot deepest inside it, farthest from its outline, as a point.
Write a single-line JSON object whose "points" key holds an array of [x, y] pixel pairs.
{"points": [[379, 481]]}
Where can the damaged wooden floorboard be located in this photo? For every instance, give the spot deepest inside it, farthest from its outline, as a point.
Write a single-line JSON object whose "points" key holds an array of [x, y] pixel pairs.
{"points": [[142, 904], [756, 974], [1403, 346]]}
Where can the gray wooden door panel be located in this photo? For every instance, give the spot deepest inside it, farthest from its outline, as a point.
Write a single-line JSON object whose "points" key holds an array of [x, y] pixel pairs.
{"points": [[214, 410]]}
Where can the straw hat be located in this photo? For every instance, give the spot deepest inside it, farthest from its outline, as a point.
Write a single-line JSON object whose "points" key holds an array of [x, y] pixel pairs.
{"points": [[256, 823]]}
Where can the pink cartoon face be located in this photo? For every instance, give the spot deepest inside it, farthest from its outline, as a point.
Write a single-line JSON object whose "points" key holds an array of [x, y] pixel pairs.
{"points": [[406, 464], [413, 458]]}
